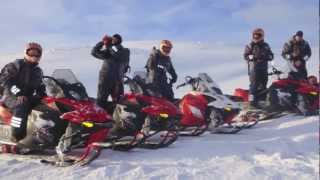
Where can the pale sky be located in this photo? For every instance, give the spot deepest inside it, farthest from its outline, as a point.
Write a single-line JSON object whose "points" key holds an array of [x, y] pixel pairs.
{"points": [[56, 23]]}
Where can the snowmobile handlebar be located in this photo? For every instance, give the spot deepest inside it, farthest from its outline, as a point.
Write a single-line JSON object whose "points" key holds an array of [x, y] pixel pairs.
{"points": [[136, 79], [127, 80], [181, 85], [188, 80], [275, 71]]}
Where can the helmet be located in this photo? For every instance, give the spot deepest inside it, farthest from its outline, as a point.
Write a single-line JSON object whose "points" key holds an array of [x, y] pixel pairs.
{"points": [[165, 47], [33, 45], [299, 33], [312, 80], [166, 43], [258, 34]]}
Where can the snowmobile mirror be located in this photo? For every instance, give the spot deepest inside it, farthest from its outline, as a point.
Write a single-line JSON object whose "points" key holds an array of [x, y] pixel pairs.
{"points": [[188, 79], [274, 70]]}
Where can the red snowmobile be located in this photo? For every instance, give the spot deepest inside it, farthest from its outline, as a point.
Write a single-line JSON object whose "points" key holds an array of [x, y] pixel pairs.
{"points": [[142, 118], [294, 94], [65, 120], [288, 94], [206, 107]]}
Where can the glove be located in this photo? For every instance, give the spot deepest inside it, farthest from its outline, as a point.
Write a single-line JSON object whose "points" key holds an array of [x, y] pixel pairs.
{"points": [[15, 90], [306, 58], [21, 99], [127, 69], [107, 40], [250, 57], [172, 81]]}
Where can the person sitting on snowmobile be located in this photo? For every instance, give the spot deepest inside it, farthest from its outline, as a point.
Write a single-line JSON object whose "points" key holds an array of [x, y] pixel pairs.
{"points": [[257, 54], [115, 64], [23, 88], [158, 64], [274, 101], [297, 51]]}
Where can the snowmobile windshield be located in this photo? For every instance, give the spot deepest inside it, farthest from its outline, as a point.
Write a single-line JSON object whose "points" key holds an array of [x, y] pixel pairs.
{"points": [[140, 74], [139, 85], [53, 89], [65, 84], [66, 75], [206, 84]]}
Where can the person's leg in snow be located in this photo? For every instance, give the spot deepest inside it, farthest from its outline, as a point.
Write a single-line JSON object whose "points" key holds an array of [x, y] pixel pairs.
{"points": [[104, 90], [253, 87], [117, 91], [262, 80], [19, 118]]}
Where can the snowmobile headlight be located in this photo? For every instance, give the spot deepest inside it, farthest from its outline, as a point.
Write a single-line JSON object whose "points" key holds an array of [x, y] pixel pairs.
{"points": [[87, 124], [313, 93], [227, 109], [164, 115]]}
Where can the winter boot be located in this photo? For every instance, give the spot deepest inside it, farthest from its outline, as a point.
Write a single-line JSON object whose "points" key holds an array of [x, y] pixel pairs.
{"points": [[254, 105]]}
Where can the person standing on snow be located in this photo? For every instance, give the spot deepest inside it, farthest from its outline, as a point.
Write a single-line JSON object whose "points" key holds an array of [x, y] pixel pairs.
{"points": [[297, 51], [158, 65], [257, 54], [22, 87], [115, 64]]}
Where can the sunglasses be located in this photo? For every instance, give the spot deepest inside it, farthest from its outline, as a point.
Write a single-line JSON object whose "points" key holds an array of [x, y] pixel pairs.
{"points": [[37, 55], [34, 55], [257, 34], [166, 48]]}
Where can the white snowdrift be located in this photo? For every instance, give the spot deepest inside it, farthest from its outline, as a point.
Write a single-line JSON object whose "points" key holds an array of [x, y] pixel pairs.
{"points": [[285, 148]]}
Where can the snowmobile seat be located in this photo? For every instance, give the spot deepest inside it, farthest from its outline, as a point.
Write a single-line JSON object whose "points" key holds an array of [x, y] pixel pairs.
{"points": [[242, 94]]}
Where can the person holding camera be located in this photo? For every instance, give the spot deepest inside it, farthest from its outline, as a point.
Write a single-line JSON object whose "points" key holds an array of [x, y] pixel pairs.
{"points": [[115, 64]]}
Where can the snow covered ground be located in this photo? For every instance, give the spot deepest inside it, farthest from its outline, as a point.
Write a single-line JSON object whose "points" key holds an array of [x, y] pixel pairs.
{"points": [[284, 148]]}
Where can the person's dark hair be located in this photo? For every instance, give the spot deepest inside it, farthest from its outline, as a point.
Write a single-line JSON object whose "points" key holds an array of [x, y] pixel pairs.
{"points": [[299, 33], [117, 36]]}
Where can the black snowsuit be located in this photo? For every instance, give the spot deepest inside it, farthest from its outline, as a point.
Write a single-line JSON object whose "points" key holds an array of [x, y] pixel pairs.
{"points": [[115, 65], [297, 51], [21, 78], [258, 68], [157, 66]]}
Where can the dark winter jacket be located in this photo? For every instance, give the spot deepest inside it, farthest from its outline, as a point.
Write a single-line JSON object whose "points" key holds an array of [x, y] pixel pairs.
{"points": [[294, 50], [25, 76], [115, 60], [261, 52], [157, 67]]}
